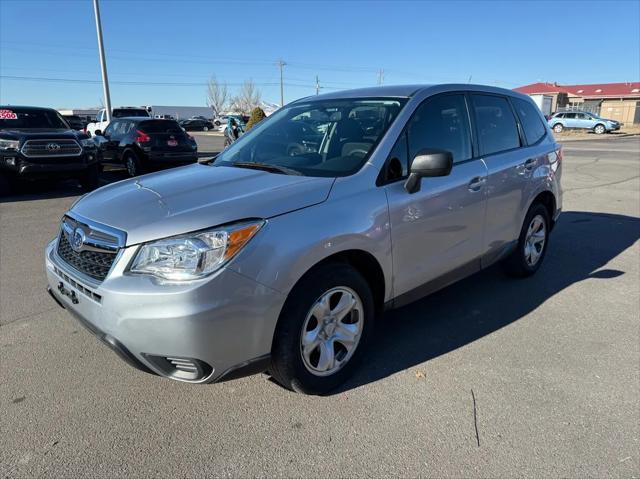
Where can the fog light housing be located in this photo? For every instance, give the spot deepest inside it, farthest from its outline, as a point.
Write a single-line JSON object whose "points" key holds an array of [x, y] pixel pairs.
{"points": [[184, 369], [11, 160]]}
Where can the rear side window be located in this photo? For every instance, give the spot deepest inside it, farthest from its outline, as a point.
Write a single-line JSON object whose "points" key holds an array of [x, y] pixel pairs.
{"points": [[533, 127], [442, 123], [497, 128]]}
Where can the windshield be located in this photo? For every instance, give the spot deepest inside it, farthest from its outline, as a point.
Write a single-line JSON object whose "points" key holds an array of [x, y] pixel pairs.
{"points": [[318, 138], [126, 112], [22, 118]]}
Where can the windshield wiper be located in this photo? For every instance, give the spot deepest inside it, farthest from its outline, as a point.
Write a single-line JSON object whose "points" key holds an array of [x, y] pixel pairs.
{"points": [[266, 167]]}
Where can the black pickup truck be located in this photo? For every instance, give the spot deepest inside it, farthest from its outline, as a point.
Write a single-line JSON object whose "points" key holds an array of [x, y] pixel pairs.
{"points": [[37, 143]]}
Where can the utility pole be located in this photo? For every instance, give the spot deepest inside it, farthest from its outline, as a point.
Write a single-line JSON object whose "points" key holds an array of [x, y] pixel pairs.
{"points": [[281, 64], [103, 62], [381, 76], [317, 85]]}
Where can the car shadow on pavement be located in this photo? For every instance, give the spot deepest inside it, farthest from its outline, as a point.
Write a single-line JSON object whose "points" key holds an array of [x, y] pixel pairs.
{"points": [[581, 244]]}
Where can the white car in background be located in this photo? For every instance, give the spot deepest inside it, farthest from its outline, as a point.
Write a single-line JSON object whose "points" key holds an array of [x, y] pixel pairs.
{"points": [[101, 122]]}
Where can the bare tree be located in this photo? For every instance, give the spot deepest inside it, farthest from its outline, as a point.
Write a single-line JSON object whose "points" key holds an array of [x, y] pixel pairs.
{"points": [[248, 98], [217, 96]]}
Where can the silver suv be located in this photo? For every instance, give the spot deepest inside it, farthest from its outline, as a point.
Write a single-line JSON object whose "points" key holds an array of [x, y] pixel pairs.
{"points": [[281, 254]]}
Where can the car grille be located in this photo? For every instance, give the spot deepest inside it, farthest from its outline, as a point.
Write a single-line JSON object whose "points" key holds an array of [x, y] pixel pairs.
{"points": [[97, 253], [51, 148]]}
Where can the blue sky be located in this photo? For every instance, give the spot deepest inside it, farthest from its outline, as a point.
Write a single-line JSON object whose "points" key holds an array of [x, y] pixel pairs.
{"points": [[167, 50]]}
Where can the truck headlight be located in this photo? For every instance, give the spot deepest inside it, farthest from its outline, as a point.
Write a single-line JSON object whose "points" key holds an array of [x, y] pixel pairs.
{"points": [[195, 255], [9, 145]]}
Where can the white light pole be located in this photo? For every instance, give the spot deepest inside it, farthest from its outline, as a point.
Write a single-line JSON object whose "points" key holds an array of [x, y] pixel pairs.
{"points": [[281, 64], [103, 62]]}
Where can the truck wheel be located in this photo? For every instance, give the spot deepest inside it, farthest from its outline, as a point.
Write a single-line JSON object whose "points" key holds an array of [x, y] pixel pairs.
{"points": [[90, 180], [532, 243], [323, 330], [558, 127], [599, 129], [132, 163]]}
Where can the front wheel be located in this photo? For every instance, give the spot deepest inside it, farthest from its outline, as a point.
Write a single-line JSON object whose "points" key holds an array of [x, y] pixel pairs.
{"points": [[599, 129], [323, 330], [531, 249], [558, 128], [205, 128]]}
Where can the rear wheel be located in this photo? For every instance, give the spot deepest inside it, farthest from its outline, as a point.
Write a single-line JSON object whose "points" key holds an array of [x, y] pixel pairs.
{"points": [[323, 330], [132, 163], [558, 127], [599, 129], [532, 243], [205, 128]]}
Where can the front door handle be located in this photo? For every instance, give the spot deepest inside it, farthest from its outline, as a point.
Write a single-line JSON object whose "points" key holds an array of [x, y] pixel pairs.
{"points": [[530, 163], [477, 183]]}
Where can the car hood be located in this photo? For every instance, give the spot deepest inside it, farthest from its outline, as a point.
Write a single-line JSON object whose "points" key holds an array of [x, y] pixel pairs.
{"points": [[196, 197], [40, 134]]}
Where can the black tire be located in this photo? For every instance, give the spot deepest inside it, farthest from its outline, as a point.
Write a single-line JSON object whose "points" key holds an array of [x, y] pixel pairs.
{"points": [[558, 127], [91, 179], [205, 128], [516, 263], [599, 129], [132, 164], [287, 365]]}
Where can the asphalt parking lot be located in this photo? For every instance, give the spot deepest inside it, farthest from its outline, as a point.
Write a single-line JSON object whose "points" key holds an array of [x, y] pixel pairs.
{"points": [[489, 377]]}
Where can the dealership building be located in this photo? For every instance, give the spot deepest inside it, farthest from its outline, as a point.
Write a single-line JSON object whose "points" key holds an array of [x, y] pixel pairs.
{"points": [[616, 101]]}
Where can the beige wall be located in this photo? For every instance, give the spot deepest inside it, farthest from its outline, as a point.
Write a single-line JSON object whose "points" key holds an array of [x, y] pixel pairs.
{"points": [[619, 110]]}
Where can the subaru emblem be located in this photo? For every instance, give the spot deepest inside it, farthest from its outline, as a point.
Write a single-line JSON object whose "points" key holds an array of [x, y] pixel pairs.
{"points": [[77, 240]]}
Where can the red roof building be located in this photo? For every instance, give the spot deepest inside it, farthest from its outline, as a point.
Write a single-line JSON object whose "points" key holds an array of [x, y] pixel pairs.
{"points": [[619, 101]]}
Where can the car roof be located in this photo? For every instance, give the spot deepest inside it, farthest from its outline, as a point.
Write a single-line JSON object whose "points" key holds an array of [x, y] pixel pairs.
{"points": [[16, 107], [141, 118], [406, 91]]}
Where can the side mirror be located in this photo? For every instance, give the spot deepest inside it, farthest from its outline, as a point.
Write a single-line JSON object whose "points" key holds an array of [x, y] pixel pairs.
{"points": [[428, 163], [98, 133]]}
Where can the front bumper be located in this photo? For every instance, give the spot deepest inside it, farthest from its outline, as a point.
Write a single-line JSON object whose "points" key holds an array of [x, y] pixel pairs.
{"points": [[220, 325], [23, 166]]}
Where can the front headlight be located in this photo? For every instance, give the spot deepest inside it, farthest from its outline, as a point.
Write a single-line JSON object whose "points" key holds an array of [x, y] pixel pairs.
{"points": [[195, 255], [87, 143], [9, 145]]}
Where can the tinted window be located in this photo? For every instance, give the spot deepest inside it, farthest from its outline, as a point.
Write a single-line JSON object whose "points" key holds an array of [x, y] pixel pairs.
{"points": [[569, 115], [497, 128], [442, 123], [534, 129], [120, 113], [160, 126], [111, 128]]}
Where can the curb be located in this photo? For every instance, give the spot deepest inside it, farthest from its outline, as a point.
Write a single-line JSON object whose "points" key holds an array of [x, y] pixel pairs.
{"points": [[599, 137]]}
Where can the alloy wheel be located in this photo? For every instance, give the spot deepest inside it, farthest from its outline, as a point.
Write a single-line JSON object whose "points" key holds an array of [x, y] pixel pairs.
{"points": [[535, 240], [331, 331]]}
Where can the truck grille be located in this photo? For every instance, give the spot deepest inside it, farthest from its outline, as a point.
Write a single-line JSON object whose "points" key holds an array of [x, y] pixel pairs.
{"points": [[95, 253], [51, 148]]}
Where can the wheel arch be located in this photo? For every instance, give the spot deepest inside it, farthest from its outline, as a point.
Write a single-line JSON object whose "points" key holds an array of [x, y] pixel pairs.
{"points": [[548, 200]]}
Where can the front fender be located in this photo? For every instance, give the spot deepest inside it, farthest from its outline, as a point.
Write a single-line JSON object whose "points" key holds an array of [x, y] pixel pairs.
{"points": [[290, 245]]}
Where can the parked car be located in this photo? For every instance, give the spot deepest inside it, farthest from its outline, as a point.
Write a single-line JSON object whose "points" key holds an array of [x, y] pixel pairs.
{"points": [[582, 120], [142, 144], [240, 119], [101, 122], [267, 260], [75, 122], [196, 125], [37, 143]]}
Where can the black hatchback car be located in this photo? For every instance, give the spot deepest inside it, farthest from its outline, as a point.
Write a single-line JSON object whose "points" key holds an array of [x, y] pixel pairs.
{"points": [[144, 144]]}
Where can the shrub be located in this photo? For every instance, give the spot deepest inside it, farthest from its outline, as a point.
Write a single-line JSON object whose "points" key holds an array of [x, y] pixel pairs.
{"points": [[257, 115]]}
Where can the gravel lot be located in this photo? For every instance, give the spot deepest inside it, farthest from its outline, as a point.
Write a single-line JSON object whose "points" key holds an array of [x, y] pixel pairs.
{"points": [[489, 377]]}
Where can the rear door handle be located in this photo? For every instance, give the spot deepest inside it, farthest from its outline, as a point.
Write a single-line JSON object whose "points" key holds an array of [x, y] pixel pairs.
{"points": [[477, 183]]}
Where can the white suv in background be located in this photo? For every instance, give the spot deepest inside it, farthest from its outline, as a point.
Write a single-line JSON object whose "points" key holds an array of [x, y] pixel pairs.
{"points": [[101, 122]]}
